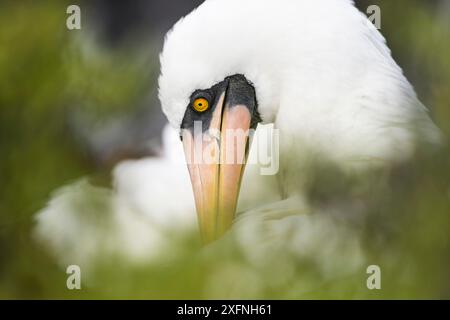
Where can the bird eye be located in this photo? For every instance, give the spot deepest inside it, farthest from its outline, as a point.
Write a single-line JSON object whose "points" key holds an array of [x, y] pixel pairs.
{"points": [[201, 105]]}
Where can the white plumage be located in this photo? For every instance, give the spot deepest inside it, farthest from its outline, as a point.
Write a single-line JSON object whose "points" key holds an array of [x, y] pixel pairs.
{"points": [[323, 75], [136, 220]]}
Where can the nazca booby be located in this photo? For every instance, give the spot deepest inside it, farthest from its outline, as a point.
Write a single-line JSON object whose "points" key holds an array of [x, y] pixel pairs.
{"points": [[317, 70]]}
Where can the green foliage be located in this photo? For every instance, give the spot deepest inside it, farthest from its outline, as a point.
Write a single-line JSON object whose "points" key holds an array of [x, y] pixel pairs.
{"points": [[45, 77]]}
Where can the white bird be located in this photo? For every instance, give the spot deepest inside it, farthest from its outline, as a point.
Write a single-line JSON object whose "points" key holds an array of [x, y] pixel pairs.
{"points": [[318, 70]]}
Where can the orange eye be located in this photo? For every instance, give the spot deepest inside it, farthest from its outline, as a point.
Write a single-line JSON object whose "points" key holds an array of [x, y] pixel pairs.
{"points": [[201, 105]]}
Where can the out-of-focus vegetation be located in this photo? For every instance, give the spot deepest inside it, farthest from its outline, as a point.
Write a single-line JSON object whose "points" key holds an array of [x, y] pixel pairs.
{"points": [[49, 75]]}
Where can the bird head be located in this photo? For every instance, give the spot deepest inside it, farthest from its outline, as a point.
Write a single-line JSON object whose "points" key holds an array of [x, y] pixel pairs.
{"points": [[209, 91]]}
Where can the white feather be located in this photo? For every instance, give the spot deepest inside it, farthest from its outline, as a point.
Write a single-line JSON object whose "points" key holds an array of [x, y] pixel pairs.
{"points": [[140, 219]]}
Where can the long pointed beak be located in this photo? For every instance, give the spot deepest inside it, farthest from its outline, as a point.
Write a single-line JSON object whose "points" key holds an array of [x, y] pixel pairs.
{"points": [[216, 160]]}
